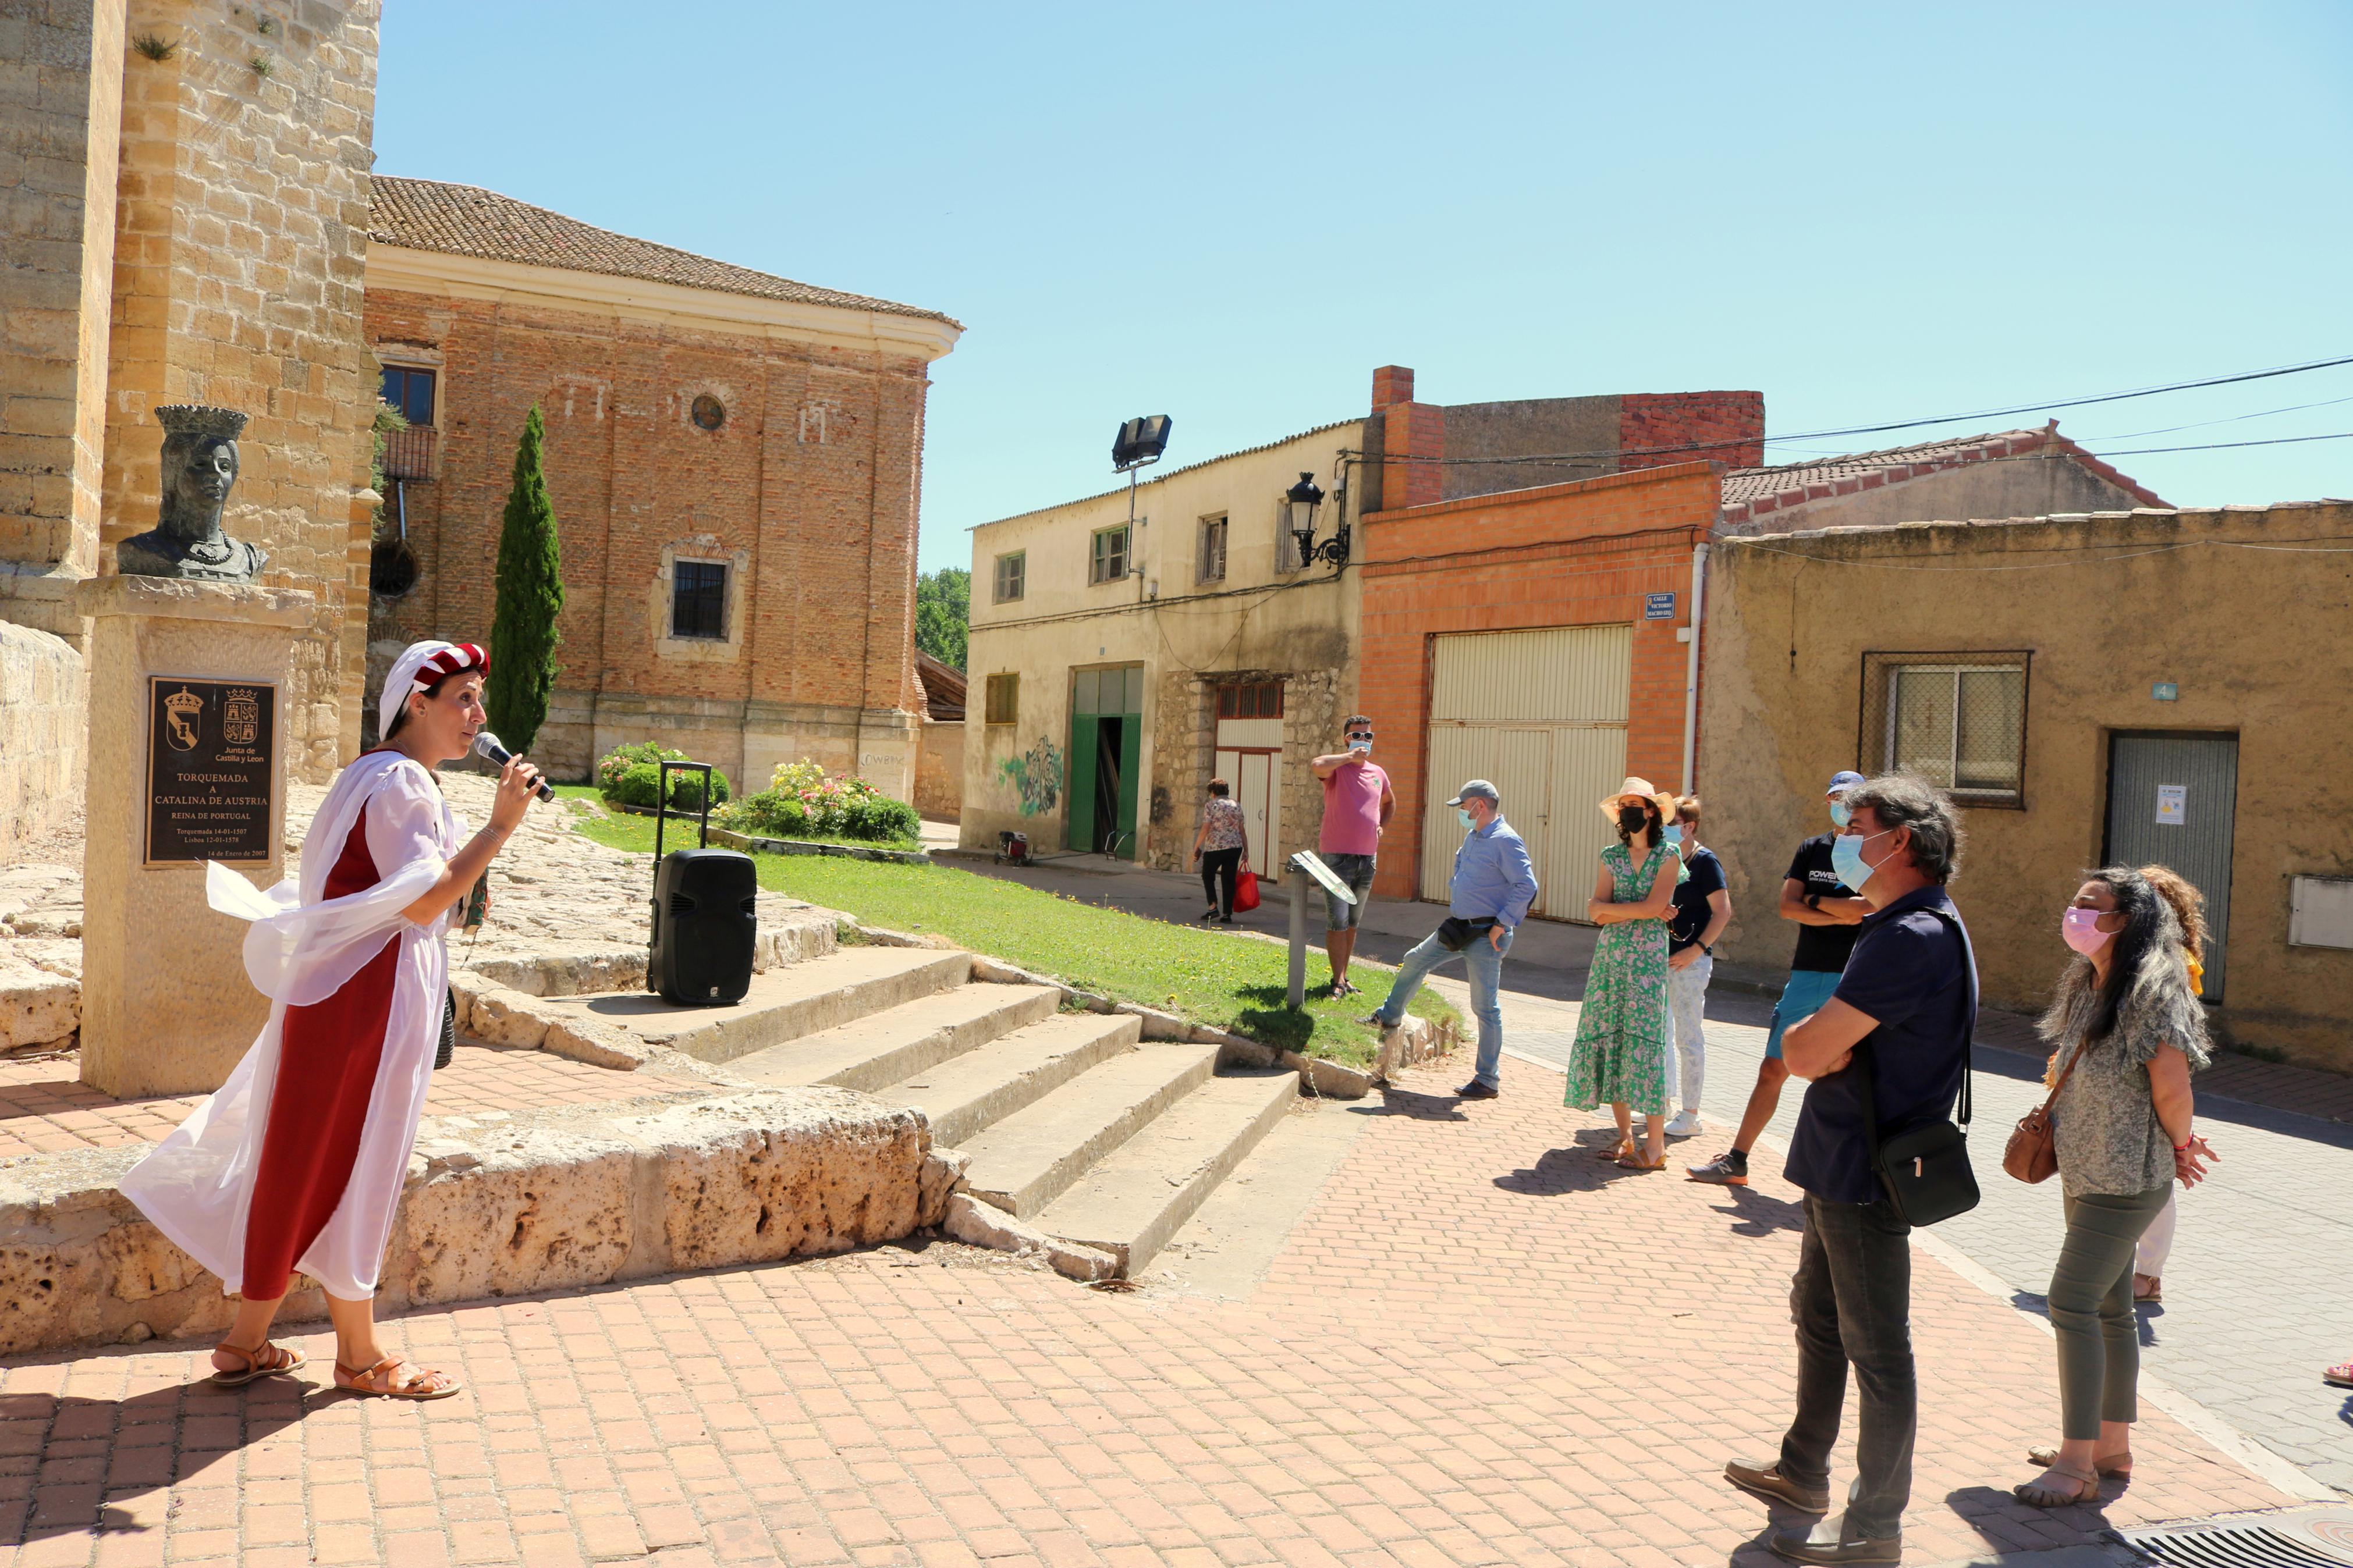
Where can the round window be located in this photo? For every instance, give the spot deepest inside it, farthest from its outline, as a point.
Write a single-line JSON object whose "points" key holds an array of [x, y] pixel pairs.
{"points": [[709, 411]]}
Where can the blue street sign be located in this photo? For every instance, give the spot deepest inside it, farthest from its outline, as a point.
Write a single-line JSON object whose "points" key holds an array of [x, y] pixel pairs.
{"points": [[1659, 606], [2166, 691]]}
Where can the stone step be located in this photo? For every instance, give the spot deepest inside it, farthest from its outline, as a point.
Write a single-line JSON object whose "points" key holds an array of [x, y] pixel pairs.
{"points": [[969, 1093], [899, 1042], [785, 1004], [1136, 1196], [1031, 1157]]}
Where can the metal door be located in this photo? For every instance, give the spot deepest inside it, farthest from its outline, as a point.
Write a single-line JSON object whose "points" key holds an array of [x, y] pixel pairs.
{"points": [[1541, 714], [2172, 801], [1251, 775]]}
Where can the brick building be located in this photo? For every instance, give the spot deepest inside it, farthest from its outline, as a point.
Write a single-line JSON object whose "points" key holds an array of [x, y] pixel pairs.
{"points": [[735, 462]]}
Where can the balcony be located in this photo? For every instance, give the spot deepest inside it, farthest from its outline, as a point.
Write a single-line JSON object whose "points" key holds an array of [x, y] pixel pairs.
{"points": [[408, 454]]}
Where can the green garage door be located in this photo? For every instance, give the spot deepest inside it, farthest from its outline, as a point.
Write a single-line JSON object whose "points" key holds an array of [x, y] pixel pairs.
{"points": [[1106, 751]]}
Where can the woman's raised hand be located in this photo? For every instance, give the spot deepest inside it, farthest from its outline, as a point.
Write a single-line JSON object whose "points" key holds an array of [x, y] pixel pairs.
{"points": [[518, 781]]}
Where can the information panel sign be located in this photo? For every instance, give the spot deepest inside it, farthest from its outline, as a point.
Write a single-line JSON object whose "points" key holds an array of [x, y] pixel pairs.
{"points": [[210, 774]]}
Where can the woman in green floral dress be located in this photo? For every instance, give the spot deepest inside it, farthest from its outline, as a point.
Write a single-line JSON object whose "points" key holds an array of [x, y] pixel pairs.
{"points": [[1622, 1026]]}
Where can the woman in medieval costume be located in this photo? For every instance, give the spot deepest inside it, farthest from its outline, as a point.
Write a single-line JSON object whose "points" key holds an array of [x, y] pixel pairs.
{"points": [[299, 1159]]}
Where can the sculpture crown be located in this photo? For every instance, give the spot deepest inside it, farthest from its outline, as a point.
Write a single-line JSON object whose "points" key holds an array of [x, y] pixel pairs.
{"points": [[196, 419]]}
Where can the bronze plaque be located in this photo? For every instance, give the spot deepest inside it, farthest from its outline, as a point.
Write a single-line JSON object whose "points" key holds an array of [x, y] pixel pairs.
{"points": [[211, 746]]}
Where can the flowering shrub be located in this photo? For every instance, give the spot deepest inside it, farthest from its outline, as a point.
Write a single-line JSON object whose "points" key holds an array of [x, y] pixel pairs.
{"points": [[802, 798], [630, 774]]}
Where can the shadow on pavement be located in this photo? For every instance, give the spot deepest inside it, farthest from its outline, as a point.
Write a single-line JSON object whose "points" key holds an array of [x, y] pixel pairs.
{"points": [[1755, 1213], [1418, 1106], [1560, 1171]]}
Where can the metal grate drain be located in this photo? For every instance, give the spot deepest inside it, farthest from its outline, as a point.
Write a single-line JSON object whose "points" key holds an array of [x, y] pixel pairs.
{"points": [[2293, 1538]]}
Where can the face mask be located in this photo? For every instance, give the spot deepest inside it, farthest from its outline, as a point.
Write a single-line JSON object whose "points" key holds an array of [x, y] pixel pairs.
{"points": [[1839, 812], [1365, 746], [1673, 832], [1633, 818], [1465, 818], [2080, 929], [1846, 858]]}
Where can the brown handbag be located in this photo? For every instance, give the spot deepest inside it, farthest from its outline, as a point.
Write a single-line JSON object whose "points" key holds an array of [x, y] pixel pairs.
{"points": [[2033, 1153]]}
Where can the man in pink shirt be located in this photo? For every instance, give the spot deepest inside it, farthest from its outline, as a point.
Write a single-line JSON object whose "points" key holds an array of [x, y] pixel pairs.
{"points": [[1357, 806]]}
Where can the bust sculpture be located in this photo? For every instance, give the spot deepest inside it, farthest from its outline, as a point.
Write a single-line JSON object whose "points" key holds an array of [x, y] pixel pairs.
{"points": [[199, 468]]}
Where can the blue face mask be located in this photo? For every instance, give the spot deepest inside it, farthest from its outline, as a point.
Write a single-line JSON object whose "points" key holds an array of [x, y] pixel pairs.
{"points": [[1465, 818], [1673, 832], [1839, 812], [1846, 858]]}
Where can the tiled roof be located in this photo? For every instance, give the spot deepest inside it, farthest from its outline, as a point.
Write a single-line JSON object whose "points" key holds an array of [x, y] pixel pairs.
{"points": [[943, 687], [1753, 493], [466, 220]]}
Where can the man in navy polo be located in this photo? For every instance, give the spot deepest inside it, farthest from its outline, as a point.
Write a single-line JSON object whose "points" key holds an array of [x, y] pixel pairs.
{"points": [[1907, 998]]}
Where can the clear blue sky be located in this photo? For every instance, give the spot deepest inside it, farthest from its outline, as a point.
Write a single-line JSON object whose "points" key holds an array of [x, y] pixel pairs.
{"points": [[1231, 214]]}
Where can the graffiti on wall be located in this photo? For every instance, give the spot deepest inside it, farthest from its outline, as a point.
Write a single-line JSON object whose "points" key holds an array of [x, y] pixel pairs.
{"points": [[1037, 775]]}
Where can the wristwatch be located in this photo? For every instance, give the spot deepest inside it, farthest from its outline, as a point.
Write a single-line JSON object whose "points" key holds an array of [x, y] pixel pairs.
{"points": [[1707, 950], [1814, 902]]}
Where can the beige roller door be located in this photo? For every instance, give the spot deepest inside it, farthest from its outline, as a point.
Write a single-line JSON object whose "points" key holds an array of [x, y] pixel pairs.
{"points": [[1542, 715]]}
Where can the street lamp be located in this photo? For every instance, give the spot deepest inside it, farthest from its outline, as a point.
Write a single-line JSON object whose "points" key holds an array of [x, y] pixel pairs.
{"points": [[1299, 504]]}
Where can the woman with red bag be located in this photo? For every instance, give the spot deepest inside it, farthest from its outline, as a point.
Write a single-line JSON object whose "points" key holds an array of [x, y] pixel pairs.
{"points": [[1219, 846]]}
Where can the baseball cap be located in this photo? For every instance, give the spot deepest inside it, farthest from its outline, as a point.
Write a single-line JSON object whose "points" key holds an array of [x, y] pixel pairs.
{"points": [[1846, 779], [1479, 789]]}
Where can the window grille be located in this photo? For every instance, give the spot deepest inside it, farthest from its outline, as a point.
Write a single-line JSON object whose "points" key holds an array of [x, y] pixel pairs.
{"points": [[1108, 562], [1012, 575], [698, 599], [1958, 720], [1213, 551], [1004, 700], [1251, 699]]}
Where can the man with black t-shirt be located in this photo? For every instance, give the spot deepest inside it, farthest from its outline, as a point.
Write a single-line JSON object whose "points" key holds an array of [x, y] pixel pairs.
{"points": [[1702, 909], [1828, 915]]}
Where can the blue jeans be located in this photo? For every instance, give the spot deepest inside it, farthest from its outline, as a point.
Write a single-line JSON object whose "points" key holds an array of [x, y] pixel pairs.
{"points": [[1483, 966]]}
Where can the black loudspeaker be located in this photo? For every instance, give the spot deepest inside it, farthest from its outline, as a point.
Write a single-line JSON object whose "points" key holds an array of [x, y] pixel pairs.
{"points": [[704, 927]]}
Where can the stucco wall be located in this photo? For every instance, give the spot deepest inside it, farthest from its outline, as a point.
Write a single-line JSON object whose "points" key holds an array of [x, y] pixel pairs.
{"points": [[1257, 622], [44, 734], [2259, 642], [939, 770]]}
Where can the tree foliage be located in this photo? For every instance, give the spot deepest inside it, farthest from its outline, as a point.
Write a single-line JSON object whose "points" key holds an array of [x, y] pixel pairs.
{"points": [[530, 596], [944, 615]]}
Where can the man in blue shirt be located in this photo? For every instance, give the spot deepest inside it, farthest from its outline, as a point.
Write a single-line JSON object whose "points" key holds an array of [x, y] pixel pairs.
{"points": [[1494, 884], [1907, 997]]}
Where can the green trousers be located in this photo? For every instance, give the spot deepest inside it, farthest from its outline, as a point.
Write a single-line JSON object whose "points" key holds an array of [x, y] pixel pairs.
{"points": [[2092, 1308]]}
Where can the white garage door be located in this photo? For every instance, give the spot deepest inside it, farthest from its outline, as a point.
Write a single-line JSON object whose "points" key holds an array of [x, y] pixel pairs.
{"points": [[1542, 715]]}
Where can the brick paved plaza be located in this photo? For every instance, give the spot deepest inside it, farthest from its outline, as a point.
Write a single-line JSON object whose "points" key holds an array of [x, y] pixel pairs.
{"points": [[1481, 1345]]}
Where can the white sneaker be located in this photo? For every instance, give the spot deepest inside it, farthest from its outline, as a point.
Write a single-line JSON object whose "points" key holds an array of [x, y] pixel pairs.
{"points": [[1684, 1125]]}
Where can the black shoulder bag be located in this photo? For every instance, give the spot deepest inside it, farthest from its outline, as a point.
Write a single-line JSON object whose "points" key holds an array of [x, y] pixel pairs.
{"points": [[1926, 1169]]}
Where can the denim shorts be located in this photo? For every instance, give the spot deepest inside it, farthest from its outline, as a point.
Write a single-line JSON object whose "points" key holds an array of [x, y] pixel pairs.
{"points": [[1801, 998], [1356, 871]]}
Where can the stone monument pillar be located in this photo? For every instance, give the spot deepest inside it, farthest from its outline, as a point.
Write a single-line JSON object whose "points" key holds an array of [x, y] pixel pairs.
{"points": [[188, 683]]}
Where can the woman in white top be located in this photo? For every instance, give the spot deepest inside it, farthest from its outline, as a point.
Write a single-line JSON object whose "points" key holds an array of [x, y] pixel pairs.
{"points": [[297, 1160]]}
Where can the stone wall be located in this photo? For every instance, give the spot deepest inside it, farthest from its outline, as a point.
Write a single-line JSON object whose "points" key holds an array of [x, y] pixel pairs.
{"points": [[44, 735], [939, 770], [61, 103], [239, 252], [806, 490]]}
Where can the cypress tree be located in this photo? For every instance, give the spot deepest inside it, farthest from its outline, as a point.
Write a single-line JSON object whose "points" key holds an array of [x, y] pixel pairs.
{"points": [[529, 595]]}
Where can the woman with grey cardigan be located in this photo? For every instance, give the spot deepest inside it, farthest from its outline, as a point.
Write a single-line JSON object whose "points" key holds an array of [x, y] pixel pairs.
{"points": [[2127, 1032]]}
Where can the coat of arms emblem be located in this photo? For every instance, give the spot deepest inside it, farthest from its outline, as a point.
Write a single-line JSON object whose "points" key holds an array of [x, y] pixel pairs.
{"points": [[241, 719], [181, 710]]}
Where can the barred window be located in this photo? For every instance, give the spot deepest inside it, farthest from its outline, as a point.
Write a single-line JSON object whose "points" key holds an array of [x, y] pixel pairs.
{"points": [[1004, 700], [698, 599], [1958, 720], [1109, 561], [1012, 575], [1255, 700], [1213, 551]]}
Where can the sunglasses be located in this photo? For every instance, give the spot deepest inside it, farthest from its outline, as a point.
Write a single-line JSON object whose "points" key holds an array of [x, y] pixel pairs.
{"points": [[1360, 734]]}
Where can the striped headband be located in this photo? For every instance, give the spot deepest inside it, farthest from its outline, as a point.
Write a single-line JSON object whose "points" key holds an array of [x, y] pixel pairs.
{"points": [[417, 667]]}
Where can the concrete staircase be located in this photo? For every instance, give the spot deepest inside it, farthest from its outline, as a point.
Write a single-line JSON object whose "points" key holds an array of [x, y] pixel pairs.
{"points": [[1074, 1124]]}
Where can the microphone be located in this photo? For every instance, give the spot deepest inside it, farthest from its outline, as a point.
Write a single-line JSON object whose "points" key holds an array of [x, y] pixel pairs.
{"points": [[487, 747]]}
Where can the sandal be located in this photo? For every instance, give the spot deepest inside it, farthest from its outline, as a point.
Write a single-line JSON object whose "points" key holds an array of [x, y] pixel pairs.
{"points": [[2042, 1494], [2116, 1468], [1618, 1151], [383, 1380], [2154, 1293], [265, 1359], [1634, 1160], [2341, 1375]]}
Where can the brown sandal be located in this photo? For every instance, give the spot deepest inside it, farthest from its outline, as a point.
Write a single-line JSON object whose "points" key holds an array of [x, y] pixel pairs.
{"points": [[383, 1380], [1632, 1160], [264, 1360], [2107, 1469], [2040, 1494], [1618, 1151]]}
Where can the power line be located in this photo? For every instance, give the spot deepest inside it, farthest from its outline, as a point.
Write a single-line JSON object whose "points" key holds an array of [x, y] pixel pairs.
{"points": [[1897, 458], [2316, 544]]}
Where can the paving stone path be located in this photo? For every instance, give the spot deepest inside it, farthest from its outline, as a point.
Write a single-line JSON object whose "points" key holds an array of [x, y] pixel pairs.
{"points": [[1481, 1345]]}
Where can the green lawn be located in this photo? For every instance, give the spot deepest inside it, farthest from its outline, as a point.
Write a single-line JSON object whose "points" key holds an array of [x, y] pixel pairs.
{"points": [[589, 793], [1217, 978]]}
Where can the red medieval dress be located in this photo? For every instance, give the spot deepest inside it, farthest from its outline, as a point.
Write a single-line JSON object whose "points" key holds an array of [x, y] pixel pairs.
{"points": [[297, 1160]]}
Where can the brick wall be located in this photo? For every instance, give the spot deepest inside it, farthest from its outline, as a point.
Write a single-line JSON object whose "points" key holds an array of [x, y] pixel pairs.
{"points": [[807, 490], [1565, 556], [240, 235], [60, 107], [1657, 428]]}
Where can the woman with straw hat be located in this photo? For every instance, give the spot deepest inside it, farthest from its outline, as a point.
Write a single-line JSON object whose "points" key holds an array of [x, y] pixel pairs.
{"points": [[1623, 1025]]}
